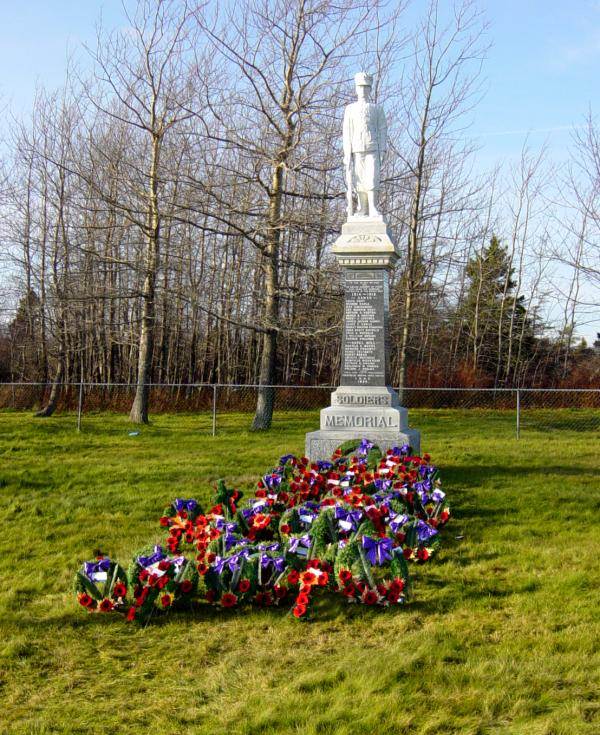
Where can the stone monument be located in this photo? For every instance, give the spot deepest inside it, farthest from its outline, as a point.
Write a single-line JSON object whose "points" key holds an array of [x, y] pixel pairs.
{"points": [[364, 405]]}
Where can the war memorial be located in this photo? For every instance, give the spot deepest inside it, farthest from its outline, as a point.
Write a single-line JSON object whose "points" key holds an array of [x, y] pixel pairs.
{"points": [[364, 404]]}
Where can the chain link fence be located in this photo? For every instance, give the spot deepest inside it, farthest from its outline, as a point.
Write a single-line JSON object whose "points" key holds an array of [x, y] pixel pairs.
{"points": [[221, 408]]}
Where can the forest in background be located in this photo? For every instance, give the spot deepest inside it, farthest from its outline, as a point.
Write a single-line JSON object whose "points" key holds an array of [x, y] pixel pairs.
{"points": [[168, 218]]}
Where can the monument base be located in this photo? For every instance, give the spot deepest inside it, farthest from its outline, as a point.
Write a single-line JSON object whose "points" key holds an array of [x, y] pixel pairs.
{"points": [[320, 445]]}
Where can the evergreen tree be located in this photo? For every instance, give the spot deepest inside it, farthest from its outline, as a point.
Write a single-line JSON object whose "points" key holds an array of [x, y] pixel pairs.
{"points": [[498, 334]]}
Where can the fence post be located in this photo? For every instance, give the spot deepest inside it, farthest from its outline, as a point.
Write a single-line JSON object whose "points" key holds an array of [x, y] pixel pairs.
{"points": [[80, 406], [518, 413], [214, 411], [14, 400]]}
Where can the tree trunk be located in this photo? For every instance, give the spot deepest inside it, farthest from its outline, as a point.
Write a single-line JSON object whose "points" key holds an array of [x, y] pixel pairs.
{"points": [[50, 407], [266, 393], [139, 408]]}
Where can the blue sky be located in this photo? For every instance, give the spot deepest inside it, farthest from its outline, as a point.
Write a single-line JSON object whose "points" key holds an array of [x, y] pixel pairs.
{"points": [[541, 74]]}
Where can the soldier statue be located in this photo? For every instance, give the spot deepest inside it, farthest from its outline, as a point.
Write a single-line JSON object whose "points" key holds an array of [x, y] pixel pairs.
{"points": [[365, 133]]}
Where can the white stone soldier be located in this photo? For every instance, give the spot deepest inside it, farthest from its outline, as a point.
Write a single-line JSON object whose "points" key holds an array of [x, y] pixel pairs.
{"points": [[365, 135]]}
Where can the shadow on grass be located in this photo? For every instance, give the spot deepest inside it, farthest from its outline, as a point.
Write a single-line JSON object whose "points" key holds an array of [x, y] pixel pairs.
{"points": [[550, 421]]}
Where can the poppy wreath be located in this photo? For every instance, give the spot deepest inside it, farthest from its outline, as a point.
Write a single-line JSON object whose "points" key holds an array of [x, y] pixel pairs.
{"points": [[179, 518], [371, 570], [101, 585], [348, 525], [316, 577], [159, 581]]}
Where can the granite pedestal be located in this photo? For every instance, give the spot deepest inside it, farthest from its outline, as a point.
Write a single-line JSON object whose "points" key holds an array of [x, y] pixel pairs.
{"points": [[364, 405]]}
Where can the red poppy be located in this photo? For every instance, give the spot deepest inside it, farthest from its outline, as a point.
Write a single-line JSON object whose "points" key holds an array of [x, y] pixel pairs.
{"points": [[244, 585], [210, 595], [186, 586], [323, 579], [423, 554], [444, 515], [202, 568], [293, 577], [164, 565], [349, 590], [85, 599], [106, 605], [280, 591], [397, 584], [299, 611], [308, 578], [201, 521], [214, 533], [144, 574], [130, 614], [285, 528], [141, 598], [370, 597], [303, 599], [261, 493], [210, 557], [228, 599], [407, 552], [166, 600], [164, 521], [189, 538], [345, 575], [119, 590]]}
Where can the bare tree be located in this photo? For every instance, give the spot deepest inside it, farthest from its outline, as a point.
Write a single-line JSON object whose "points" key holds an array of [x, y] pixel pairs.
{"points": [[439, 90], [144, 83]]}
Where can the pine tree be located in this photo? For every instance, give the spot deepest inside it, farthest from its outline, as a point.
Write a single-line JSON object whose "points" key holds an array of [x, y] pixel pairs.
{"points": [[492, 314]]}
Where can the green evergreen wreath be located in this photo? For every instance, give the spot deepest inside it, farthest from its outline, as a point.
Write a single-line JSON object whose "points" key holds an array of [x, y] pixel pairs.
{"points": [[101, 585]]}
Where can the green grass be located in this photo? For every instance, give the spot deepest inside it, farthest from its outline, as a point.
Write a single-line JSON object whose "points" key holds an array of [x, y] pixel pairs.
{"points": [[502, 636]]}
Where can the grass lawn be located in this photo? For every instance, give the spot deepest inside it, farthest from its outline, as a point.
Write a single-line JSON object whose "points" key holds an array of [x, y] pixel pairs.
{"points": [[502, 636]]}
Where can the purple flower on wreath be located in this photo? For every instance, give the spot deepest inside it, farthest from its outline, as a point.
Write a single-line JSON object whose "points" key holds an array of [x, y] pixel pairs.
{"points": [[182, 504], [377, 551], [420, 490], [272, 480], [382, 484], [324, 465], [397, 520], [222, 525], [437, 495], [365, 447], [158, 554], [96, 571], [424, 531], [299, 545], [285, 459]]}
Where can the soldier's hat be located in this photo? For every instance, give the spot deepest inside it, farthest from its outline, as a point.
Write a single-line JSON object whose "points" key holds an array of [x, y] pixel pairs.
{"points": [[362, 79]]}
